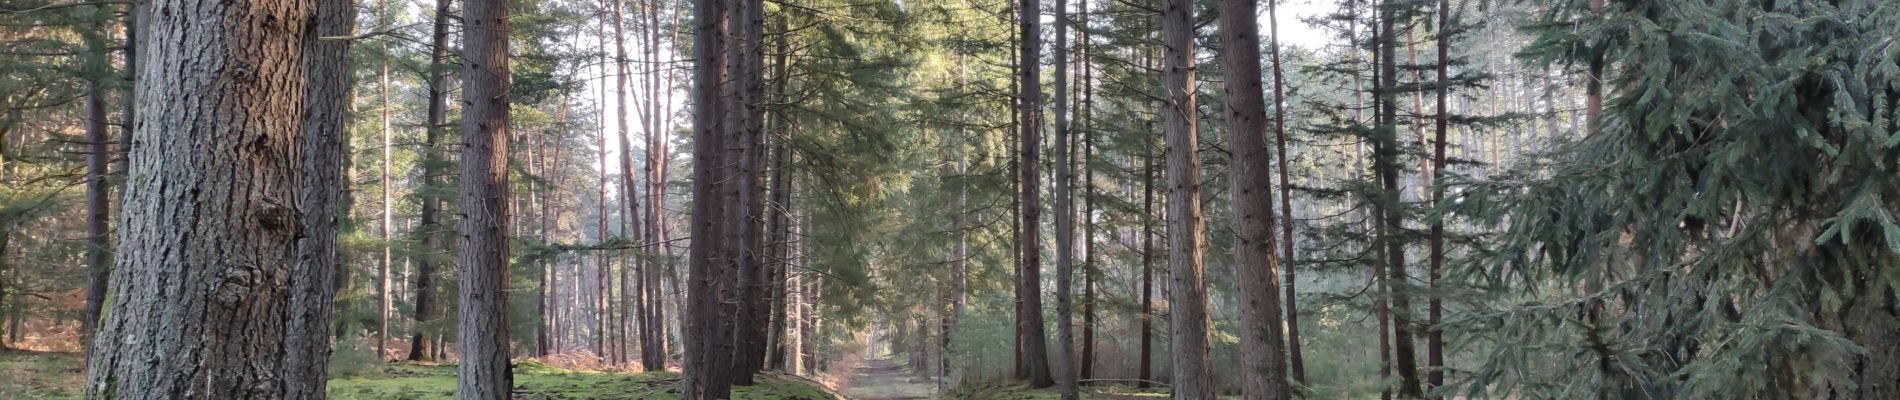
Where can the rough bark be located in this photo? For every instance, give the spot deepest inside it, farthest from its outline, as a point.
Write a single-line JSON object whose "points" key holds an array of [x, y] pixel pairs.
{"points": [[211, 220], [747, 63], [1262, 352], [1187, 300], [326, 96], [482, 246], [706, 360], [1031, 339]]}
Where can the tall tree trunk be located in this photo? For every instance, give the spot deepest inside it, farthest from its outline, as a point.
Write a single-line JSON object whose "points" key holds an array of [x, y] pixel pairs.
{"points": [[752, 314], [1145, 375], [201, 289], [707, 354], [1296, 362], [1088, 202], [552, 225], [1386, 154], [1064, 213], [324, 155], [1435, 342], [383, 296], [960, 271], [1187, 300], [421, 347], [482, 332], [1262, 351], [627, 188], [1033, 342], [98, 190], [597, 304], [1014, 146], [779, 252]]}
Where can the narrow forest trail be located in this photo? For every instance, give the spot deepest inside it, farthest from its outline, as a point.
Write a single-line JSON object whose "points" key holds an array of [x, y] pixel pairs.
{"points": [[884, 379]]}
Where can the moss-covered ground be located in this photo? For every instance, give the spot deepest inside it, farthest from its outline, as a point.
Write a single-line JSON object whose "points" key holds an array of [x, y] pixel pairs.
{"points": [[31, 375]]}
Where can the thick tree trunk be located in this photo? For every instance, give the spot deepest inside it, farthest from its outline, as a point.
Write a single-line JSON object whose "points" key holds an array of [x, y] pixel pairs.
{"points": [[1030, 336], [707, 360], [421, 346], [747, 63], [482, 249], [1187, 297], [201, 289], [1262, 352], [326, 96]]}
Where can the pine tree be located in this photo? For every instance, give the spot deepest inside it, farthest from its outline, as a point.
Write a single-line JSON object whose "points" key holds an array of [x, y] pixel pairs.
{"points": [[1263, 352], [324, 154], [221, 328], [1665, 236]]}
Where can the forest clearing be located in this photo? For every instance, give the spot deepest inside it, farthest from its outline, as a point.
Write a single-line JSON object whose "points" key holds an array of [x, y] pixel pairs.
{"points": [[950, 199]]}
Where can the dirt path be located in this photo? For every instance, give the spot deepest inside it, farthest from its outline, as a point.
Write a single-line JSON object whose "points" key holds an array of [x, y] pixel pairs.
{"points": [[885, 380]]}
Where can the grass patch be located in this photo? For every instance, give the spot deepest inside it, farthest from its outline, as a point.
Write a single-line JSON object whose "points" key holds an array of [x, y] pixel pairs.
{"points": [[41, 375]]}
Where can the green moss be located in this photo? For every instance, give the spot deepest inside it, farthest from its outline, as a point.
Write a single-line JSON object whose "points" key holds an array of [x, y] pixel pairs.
{"points": [[62, 376]]}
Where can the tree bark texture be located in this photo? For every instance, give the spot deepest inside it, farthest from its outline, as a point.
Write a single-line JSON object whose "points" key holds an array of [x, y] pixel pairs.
{"points": [[482, 247], [210, 224], [1187, 297], [706, 360], [1262, 351], [1029, 330], [326, 65]]}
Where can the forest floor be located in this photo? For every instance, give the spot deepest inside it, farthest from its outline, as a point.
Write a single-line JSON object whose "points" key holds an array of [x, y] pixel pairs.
{"points": [[41, 375], [884, 379], [48, 375], [890, 379]]}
